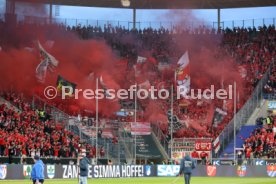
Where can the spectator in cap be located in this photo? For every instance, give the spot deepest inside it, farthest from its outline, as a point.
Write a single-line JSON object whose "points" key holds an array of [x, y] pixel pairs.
{"points": [[37, 174]]}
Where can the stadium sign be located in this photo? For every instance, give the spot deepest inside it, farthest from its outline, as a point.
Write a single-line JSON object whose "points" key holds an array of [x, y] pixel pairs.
{"points": [[216, 162], [260, 162], [70, 171], [211, 170], [223, 162], [27, 169], [3, 172], [182, 147], [241, 171], [105, 171], [271, 171], [271, 105], [51, 171], [203, 145], [167, 170], [117, 171], [226, 162], [149, 170], [270, 162], [10, 172]]}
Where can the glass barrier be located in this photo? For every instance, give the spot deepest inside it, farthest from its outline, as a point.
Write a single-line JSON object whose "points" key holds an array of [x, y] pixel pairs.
{"points": [[144, 24]]}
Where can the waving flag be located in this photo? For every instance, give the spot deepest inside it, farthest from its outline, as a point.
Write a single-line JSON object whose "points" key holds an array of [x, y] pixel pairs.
{"points": [[182, 73], [141, 59], [216, 145], [41, 71], [47, 62], [103, 85], [218, 116], [62, 82], [45, 55]]}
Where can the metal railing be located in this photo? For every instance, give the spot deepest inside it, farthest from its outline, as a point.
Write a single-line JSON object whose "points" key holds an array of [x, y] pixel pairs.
{"points": [[56, 114], [244, 113], [112, 151], [127, 142], [170, 25], [162, 138], [46, 160]]}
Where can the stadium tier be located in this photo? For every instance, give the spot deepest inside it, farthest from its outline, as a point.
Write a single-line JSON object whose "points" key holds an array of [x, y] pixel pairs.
{"points": [[135, 102]]}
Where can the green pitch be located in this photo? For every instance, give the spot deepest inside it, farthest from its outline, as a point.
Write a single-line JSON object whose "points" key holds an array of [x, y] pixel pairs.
{"points": [[166, 180]]}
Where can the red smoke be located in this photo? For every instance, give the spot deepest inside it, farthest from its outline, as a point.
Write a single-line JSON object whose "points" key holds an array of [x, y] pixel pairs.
{"points": [[80, 58], [77, 59]]}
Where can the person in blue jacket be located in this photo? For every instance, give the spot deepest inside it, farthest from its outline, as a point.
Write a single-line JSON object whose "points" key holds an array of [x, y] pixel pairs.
{"points": [[37, 174], [186, 166]]}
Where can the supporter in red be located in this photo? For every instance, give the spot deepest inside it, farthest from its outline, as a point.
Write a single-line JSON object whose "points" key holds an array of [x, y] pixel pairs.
{"points": [[203, 156], [195, 155], [248, 152]]}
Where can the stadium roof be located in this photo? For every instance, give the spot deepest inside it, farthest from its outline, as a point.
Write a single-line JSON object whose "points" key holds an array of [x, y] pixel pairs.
{"points": [[163, 4]]}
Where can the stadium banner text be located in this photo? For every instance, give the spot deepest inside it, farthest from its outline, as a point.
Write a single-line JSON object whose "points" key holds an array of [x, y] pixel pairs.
{"points": [[18, 172]]}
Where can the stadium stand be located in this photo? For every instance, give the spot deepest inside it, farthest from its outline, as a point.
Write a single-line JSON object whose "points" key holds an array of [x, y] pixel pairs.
{"points": [[252, 48]]}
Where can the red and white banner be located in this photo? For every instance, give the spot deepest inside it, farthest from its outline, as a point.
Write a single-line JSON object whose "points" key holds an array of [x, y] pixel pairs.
{"points": [[182, 73], [140, 128], [141, 59], [203, 146], [216, 144]]}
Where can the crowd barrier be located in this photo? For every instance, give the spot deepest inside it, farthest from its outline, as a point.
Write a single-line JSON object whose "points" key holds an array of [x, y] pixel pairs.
{"points": [[19, 172], [57, 161]]}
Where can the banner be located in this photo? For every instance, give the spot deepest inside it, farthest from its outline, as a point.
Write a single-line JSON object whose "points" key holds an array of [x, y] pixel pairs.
{"points": [[27, 169], [216, 145], [184, 146], [203, 145], [62, 82], [140, 128], [219, 115], [168, 170], [106, 171], [182, 73], [271, 105], [21, 172], [3, 172], [141, 59]]}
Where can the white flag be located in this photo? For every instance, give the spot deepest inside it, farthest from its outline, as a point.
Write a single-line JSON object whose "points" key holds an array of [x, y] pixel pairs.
{"points": [[48, 62], [141, 59], [46, 55], [184, 60], [41, 71], [107, 94]]}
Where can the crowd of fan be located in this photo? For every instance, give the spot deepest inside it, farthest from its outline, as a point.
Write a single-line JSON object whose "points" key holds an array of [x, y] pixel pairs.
{"points": [[253, 49], [262, 141], [26, 132]]}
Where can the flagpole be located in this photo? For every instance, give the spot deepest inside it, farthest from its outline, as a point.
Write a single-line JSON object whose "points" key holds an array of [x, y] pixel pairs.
{"points": [[235, 111], [97, 119], [135, 120], [171, 121]]}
